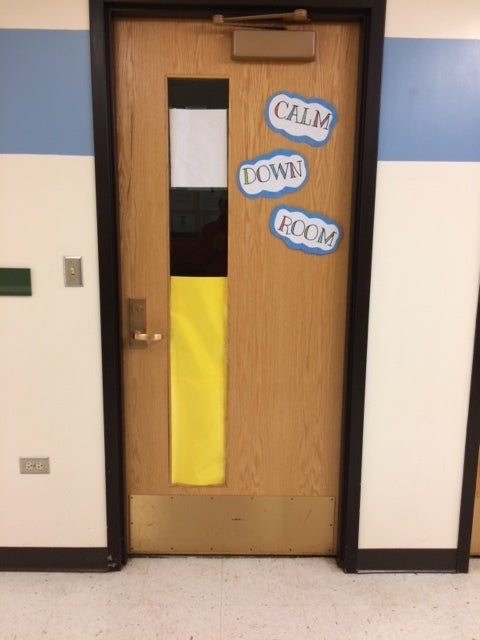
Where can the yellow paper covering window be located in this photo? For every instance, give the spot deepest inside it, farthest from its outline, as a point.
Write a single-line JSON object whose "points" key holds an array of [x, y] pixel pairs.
{"points": [[197, 380]]}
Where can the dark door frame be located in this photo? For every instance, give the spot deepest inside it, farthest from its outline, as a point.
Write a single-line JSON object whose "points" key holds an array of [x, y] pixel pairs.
{"points": [[370, 14]]}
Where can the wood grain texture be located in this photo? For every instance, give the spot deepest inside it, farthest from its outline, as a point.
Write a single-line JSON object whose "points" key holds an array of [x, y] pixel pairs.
{"points": [[286, 309], [477, 489], [475, 545]]}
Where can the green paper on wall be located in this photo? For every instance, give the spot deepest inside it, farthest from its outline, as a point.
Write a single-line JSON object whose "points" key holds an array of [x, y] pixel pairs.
{"points": [[15, 282]]}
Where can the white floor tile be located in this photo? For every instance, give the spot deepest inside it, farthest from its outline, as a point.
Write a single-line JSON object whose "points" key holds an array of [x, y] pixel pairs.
{"points": [[180, 598]]}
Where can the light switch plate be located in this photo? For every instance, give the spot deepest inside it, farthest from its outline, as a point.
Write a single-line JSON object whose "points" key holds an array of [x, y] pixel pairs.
{"points": [[72, 271]]}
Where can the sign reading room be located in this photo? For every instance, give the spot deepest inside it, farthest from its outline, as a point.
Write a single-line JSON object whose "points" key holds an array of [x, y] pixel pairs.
{"points": [[309, 232]]}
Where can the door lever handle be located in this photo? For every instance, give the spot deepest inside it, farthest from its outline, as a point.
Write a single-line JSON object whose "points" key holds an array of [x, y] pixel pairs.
{"points": [[138, 337], [147, 337]]}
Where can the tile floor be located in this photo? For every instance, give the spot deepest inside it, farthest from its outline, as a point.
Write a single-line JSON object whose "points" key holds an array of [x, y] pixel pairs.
{"points": [[182, 598]]}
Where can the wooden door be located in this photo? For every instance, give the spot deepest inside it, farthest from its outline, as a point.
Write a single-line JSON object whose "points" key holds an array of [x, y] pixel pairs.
{"points": [[286, 317]]}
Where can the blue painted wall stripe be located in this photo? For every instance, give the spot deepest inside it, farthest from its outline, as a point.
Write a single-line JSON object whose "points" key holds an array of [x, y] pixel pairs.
{"points": [[430, 109], [430, 96], [45, 92]]}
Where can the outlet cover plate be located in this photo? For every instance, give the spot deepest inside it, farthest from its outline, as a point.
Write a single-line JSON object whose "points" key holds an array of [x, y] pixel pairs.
{"points": [[35, 465]]}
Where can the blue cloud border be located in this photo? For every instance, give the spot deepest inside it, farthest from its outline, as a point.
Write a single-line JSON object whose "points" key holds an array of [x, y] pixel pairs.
{"points": [[306, 139], [310, 216], [269, 156]]}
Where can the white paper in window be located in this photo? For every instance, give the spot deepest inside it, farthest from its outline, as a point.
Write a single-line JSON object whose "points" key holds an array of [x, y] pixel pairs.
{"points": [[198, 148]]}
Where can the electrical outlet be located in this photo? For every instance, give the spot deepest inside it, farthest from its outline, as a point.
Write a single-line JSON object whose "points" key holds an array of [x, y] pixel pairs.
{"points": [[35, 465]]}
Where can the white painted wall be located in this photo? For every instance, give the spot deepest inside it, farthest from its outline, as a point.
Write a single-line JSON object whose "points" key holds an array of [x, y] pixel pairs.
{"points": [[50, 376], [49, 14], [426, 264], [426, 19], [422, 319]]}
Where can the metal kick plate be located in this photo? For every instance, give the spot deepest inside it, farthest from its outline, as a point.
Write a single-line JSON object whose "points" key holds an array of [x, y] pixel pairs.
{"points": [[243, 525]]}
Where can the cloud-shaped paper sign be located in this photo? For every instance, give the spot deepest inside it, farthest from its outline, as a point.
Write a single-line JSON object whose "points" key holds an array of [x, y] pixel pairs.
{"points": [[309, 232], [273, 174], [309, 120]]}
